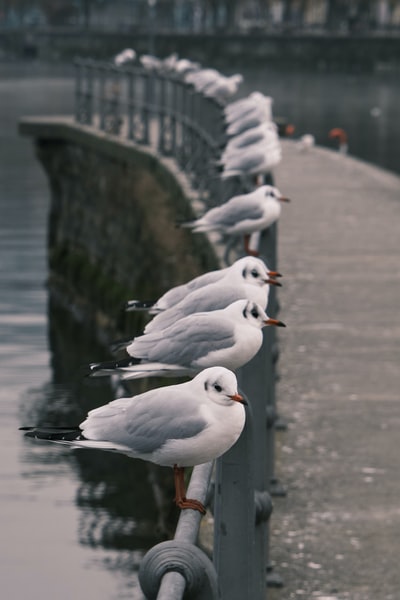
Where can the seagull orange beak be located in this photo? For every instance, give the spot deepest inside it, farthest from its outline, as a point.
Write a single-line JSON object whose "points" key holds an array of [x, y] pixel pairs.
{"points": [[274, 274], [284, 199], [238, 398], [274, 322], [272, 282]]}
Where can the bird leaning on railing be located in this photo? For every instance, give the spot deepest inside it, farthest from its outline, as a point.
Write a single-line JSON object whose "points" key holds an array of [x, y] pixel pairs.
{"points": [[229, 337], [243, 271], [242, 215], [176, 426], [126, 56]]}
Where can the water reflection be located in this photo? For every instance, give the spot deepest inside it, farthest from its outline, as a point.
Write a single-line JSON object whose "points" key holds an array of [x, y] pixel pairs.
{"points": [[124, 504]]}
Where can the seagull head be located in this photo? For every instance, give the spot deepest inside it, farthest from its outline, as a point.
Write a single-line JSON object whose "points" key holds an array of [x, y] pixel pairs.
{"points": [[252, 314], [220, 385], [254, 271], [273, 192]]}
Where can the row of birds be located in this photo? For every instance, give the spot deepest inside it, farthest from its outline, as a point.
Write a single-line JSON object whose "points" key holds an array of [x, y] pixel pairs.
{"points": [[205, 329], [251, 139]]}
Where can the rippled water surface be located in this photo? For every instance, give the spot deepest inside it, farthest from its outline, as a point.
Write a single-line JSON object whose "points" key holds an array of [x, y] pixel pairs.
{"points": [[79, 522]]}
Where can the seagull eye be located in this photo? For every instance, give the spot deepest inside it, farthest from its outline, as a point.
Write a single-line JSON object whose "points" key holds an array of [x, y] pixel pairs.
{"points": [[254, 273], [254, 313], [217, 388]]}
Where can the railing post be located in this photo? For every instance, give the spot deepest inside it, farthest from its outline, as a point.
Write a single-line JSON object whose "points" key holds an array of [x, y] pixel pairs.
{"points": [[172, 568], [235, 550], [102, 96]]}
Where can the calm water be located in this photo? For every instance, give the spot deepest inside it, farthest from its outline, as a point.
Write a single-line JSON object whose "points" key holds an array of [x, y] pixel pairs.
{"points": [[79, 522]]}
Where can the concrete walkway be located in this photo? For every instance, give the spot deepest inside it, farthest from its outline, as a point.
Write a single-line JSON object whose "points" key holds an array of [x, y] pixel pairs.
{"points": [[337, 533]]}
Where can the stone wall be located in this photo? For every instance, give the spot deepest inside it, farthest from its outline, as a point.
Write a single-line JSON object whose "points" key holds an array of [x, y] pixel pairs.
{"points": [[112, 234]]}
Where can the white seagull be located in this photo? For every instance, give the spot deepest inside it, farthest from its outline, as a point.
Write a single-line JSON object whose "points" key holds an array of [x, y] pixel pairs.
{"points": [[242, 215], [267, 131], [223, 87], [175, 426], [229, 337], [255, 103], [255, 159], [244, 270], [234, 286], [202, 78], [127, 55]]}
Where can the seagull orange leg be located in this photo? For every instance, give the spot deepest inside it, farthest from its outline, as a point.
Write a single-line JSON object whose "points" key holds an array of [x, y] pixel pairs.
{"points": [[180, 493], [246, 246]]}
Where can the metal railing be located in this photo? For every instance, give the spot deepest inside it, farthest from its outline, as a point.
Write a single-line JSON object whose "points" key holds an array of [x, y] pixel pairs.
{"points": [[163, 112]]}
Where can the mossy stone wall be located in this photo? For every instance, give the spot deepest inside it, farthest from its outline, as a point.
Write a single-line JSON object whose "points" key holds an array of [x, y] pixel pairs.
{"points": [[112, 233]]}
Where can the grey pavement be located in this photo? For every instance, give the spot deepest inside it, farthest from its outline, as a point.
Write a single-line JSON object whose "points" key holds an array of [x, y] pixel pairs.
{"points": [[336, 535]]}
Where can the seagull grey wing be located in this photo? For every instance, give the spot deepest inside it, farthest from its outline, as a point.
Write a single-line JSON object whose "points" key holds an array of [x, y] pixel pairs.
{"points": [[146, 422], [187, 340], [246, 162], [238, 210], [207, 298], [176, 294], [148, 431]]}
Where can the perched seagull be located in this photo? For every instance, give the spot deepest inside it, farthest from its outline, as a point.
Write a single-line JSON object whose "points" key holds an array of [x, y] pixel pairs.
{"points": [[306, 142], [127, 55], [252, 118], [243, 270], [255, 159], [256, 103], [229, 337], [169, 63], [218, 295], [150, 62], [242, 215], [175, 426], [341, 136], [202, 78], [264, 132], [223, 87], [184, 66]]}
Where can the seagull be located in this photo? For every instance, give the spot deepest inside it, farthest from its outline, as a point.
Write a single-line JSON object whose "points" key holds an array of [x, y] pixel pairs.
{"points": [[175, 426], [255, 159], [242, 215], [306, 142], [255, 103], [125, 56], [223, 87], [251, 118], [341, 136], [228, 337], [244, 270], [150, 62], [255, 287], [201, 78], [267, 131], [183, 66]]}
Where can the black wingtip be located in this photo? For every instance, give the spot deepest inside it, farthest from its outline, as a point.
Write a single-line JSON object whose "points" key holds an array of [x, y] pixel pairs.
{"points": [[107, 367], [53, 433], [139, 304]]}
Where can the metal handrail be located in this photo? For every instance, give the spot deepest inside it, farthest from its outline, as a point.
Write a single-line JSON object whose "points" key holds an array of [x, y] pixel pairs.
{"points": [[163, 112]]}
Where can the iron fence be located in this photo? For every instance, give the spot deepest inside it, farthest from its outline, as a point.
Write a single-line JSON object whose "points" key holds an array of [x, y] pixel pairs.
{"points": [[163, 112]]}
